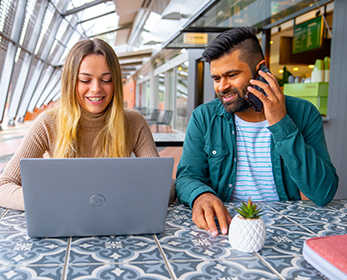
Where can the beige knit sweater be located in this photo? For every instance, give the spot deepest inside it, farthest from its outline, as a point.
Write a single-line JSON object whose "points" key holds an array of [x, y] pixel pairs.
{"points": [[40, 140]]}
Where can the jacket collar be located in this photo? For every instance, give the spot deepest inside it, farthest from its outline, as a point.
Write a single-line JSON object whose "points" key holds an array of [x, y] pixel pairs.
{"points": [[220, 111]]}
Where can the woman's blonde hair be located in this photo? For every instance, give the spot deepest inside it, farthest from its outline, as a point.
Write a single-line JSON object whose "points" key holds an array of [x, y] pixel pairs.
{"points": [[111, 140]]}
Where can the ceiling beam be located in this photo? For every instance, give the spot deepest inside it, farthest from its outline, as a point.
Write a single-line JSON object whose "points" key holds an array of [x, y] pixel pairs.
{"points": [[136, 54], [130, 62], [85, 6], [92, 18], [111, 31]]}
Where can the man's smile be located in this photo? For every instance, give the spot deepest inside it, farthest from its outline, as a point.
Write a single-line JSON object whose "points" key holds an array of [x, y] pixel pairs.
{"points": [[227, 97]]}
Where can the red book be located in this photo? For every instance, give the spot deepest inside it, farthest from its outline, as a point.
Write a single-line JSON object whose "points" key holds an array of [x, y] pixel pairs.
{"points": [[328, 254]]}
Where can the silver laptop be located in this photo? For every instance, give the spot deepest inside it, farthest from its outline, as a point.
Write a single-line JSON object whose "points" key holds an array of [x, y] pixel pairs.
{"points": [[96, 196]]}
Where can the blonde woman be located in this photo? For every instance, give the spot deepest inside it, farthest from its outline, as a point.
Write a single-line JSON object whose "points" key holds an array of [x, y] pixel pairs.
{"points": [[89, 120]]}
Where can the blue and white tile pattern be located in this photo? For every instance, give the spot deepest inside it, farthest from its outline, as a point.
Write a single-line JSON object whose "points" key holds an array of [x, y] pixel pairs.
{"points": [[182, 251]]}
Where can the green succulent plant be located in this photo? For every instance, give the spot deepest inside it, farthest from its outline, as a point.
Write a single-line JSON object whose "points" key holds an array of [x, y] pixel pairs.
{"points": [[249, 210]]}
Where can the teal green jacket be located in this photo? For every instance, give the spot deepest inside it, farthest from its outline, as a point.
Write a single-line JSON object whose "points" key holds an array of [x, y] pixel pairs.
{"points": [[299, 155]]}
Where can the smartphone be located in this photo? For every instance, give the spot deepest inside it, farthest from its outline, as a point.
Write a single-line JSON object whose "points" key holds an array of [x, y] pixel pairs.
{"points": [[254, 101]]}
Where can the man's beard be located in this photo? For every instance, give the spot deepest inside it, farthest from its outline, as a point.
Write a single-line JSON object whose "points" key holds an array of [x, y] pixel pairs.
{"points": [[238, 104]]}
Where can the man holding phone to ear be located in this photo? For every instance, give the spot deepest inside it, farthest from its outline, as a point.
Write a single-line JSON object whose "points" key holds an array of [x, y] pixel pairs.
{"points": [[250, 143]]}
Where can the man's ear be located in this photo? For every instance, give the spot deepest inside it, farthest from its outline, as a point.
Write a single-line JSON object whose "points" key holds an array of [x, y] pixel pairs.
{"points": [[261, 62]]}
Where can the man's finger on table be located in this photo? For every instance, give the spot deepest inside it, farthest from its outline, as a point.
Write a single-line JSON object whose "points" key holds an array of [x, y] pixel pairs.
{"points": [[222, 217], [199, 217], [209, 217]]}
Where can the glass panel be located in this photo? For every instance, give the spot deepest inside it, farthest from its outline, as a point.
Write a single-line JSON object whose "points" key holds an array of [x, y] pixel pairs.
{"points": [[161, 90], [2, 57], [138, 95], [102, 27], [64, 26], [100, 19], [46, 25], [73, 40], [61, 30], [234, 13], [163, 22], [181, 98], [97, 10], [32, 9], [172, 90], [7, 13], [147, 93], [59, 3], [78, 3]]}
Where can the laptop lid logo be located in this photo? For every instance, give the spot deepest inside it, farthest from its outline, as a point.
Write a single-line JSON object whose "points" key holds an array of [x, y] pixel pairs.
{"points": [[97, 200]]}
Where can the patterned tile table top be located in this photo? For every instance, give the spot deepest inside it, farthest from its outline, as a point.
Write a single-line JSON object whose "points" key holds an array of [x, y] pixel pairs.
{"points": [[182, 251]]}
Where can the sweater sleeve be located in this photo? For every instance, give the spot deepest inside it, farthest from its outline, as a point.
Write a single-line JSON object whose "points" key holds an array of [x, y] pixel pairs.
{"points": [[35, 143], [305, 156]]}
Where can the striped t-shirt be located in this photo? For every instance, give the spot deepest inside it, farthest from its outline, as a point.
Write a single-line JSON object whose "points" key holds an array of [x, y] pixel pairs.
{"points": [[254, 168]]}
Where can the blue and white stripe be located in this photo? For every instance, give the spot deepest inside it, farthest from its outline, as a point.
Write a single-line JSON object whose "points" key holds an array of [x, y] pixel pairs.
{"points": [[254, 175]]}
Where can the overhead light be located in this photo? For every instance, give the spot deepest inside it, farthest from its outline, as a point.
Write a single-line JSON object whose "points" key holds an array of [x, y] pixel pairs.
{"points": [[174, 16]]}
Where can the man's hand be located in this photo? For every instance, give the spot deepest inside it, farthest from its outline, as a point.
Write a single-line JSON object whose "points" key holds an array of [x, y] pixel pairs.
{"points": [[274, 103], [205, 208]]}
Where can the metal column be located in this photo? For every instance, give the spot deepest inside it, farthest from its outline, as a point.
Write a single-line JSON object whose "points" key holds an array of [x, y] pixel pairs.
{"points": [[24, 71], [10, 57], [29, 95]]}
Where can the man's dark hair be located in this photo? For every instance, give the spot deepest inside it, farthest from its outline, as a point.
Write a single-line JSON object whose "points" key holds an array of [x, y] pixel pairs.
{"points": [[240, 38]]}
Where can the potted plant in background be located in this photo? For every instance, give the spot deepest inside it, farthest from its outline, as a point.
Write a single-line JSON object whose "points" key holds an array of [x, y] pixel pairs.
{"points": [[247, 228]]}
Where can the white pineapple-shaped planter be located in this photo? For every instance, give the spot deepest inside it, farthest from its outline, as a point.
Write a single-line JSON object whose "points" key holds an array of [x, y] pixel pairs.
{"points": [[247, 229]]}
